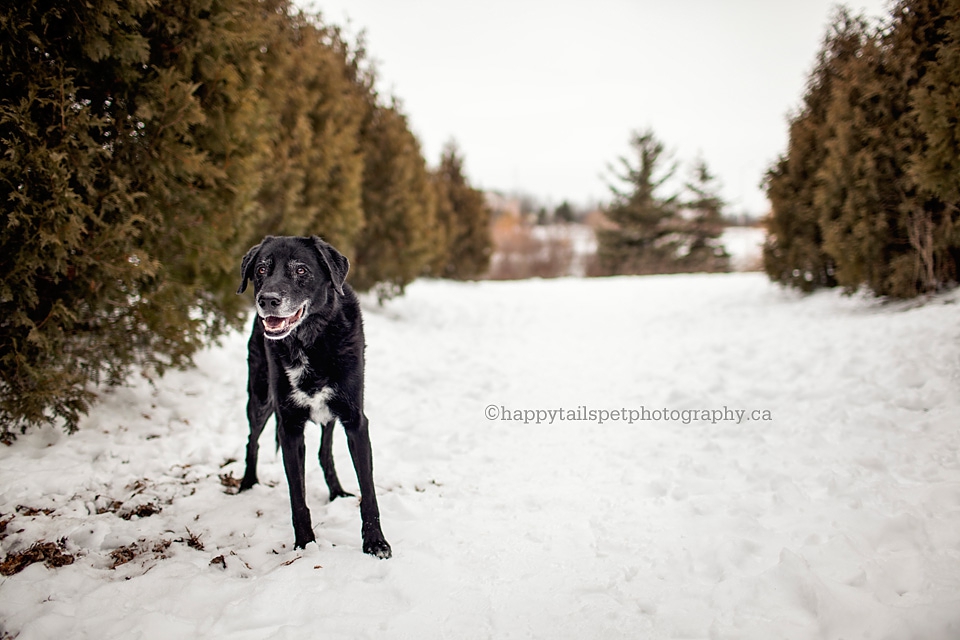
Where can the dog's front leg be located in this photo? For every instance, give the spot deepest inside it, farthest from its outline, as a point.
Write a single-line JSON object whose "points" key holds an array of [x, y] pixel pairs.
{"points": [[358, 440], [259, 406], [290, 432]]}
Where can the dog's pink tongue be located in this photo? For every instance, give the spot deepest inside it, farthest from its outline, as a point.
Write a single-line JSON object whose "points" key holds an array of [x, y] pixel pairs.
{"points": [[273, 323]]}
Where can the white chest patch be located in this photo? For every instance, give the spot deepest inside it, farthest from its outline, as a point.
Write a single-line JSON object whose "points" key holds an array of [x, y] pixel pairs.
{"points": [[317, 402]]}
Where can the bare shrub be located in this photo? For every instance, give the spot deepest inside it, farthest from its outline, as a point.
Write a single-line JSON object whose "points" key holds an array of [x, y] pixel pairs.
{"points": [[525, 251]]}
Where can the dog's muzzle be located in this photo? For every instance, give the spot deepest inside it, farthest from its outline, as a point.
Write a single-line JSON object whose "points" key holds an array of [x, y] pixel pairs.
{"points": [[278, 327]]}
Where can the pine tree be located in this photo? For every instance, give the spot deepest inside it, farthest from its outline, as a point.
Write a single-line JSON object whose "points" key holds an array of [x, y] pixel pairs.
{"points": [[646, 234]]}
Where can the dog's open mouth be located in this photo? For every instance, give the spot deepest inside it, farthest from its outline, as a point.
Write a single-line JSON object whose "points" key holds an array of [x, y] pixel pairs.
{"points": [[279, 326]]}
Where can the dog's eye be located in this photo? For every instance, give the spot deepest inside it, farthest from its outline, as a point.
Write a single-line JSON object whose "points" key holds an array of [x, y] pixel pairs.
{"points": [[301, 271], [261, 270]]}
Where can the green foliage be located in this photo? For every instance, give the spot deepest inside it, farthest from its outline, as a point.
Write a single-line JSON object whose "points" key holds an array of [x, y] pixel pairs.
{"points": [[463, 221], [126, 139], [656, 232], [793, 252], [703, 211], [144, 146], [858, 171], [400, 236], [564, 213], [935, 165], [936, 98], [643, 239], [313, 171], [867, 192]]}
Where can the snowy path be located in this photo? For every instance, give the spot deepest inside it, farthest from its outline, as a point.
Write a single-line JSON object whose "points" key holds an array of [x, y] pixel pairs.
{"points": [[833, 513]]}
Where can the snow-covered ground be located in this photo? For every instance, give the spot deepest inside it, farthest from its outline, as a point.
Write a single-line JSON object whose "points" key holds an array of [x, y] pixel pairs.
{"points": [[831, 510]]}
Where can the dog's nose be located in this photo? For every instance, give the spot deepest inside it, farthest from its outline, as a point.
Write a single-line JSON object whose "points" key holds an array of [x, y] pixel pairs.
{"points": [[269, 300]]}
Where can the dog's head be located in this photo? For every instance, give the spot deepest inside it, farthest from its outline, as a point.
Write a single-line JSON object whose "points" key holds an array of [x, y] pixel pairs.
{"points": [[292, 278]]}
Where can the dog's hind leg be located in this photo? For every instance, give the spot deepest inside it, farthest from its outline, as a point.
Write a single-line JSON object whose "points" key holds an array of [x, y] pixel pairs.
{"points": [[326, 462], [257, 414]]}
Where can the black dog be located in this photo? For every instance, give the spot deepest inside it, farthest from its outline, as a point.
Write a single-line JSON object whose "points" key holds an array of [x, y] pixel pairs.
{"points": [[306, 363]]}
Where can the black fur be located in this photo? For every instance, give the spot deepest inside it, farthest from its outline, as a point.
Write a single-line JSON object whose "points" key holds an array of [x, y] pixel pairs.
{"points": [[308, 321]]}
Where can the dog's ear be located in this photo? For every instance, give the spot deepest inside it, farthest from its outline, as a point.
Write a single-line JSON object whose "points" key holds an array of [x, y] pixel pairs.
{"points": [[336, 262], [246, 267]]}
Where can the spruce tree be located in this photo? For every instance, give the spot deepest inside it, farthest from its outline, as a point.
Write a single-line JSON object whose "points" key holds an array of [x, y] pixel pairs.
{"points": [[646, 234], [703, 213]]}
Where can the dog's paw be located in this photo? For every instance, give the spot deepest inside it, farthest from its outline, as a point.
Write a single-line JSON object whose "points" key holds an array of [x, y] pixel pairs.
{"points": [[377, 548], [340, 494], [302, 543]]}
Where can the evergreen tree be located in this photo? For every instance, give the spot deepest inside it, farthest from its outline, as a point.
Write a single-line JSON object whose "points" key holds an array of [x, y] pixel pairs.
{"points": [[564, 213], [463, 220], [859, 176], [400, 236], [928, 260], [880, 225], [313, 173], [192, 142], [866, 194], [936, 97], [704, 223], [68, 232], [793, 253], [646, 234], [935, 165], [129, 140], [145, 146]]}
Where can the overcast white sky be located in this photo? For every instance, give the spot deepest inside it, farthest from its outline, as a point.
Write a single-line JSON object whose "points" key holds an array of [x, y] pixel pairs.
{"points": [[541, 96]]}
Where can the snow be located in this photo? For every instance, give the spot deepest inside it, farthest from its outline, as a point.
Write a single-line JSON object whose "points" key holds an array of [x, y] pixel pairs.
{"points": [[832, 510]]}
